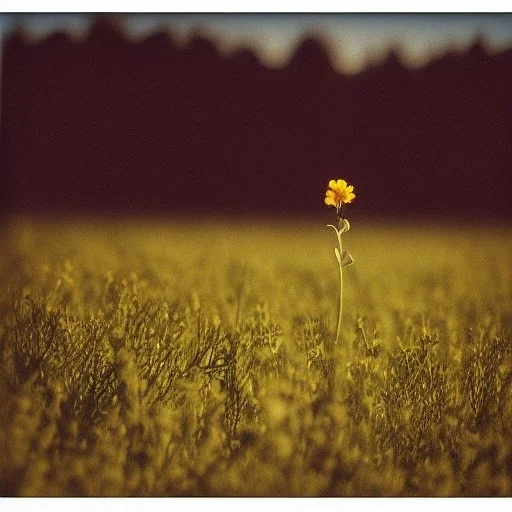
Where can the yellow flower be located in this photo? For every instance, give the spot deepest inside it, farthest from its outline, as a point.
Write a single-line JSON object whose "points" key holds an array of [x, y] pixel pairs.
{"points": [[339, 193]]}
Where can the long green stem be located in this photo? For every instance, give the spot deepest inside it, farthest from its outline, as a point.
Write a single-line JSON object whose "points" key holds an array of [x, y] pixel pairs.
{"points": [[343, 261], [338, 329]]}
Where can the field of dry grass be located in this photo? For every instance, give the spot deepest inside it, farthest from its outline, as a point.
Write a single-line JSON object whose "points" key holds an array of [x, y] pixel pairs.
{"points": [[197, 358]]}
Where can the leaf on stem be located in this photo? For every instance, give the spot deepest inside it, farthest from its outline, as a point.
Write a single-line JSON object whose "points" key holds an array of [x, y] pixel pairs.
{"points": [[344, 226], [345, 259]]}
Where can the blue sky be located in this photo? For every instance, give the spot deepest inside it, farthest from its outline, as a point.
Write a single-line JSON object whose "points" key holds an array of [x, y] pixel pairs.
{"points": [[355, 38]]}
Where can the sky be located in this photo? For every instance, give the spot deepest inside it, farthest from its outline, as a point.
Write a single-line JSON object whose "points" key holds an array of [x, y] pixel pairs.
{"points": [[355, 38]]}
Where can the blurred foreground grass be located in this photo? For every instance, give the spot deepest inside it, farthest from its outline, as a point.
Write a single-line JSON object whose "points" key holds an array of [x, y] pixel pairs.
{"points": [[196, 358]]}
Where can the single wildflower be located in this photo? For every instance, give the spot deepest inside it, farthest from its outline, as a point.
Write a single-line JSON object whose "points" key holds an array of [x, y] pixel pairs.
{"points": [[339, 194]]}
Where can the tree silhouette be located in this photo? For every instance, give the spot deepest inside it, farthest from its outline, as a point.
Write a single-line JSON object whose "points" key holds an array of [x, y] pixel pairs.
{"points": [[112, 125]]}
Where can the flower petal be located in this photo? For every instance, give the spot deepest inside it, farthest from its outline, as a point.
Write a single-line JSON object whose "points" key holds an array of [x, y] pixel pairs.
{"points": [[339, 193]]}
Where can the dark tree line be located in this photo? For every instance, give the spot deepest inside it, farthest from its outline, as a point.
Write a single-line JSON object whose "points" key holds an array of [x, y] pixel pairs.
{"points": [[110, 125]]}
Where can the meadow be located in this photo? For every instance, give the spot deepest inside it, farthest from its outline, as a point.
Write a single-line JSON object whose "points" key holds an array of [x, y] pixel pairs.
{"points": [[196, 357]]}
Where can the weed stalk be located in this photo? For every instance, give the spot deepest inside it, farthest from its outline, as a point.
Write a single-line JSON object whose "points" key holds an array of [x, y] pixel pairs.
{"points": [[344, 259]]}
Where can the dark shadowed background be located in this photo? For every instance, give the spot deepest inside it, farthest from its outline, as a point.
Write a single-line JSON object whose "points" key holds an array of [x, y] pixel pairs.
{"points": [[109, 123]]}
